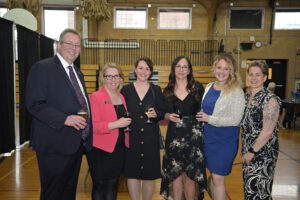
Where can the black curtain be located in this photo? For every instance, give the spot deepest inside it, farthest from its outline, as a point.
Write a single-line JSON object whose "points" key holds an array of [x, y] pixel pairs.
{"points": [[46, 47], [7, 103], [28, 53]]}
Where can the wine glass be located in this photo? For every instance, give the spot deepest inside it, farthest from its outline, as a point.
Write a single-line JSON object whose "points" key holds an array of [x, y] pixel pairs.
{"points": [[179, 111], [148, 109], [127, 115]]}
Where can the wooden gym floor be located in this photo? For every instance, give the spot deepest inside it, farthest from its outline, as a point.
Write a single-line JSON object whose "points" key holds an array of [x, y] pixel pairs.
{"points": [[19, 176]]}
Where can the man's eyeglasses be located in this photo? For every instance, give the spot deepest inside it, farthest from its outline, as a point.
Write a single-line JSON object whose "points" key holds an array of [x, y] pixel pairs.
{"points": [[183, 67], [111, 77], [70, 44]]}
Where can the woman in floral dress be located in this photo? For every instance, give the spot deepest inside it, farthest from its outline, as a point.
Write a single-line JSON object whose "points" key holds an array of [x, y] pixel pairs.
{"points": [[183, 159]]}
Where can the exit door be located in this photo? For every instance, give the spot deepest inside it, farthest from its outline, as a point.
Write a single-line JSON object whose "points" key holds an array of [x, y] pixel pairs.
{"points": [[277, 70]]}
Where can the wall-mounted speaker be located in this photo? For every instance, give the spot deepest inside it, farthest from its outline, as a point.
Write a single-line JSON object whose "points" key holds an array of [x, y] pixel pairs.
{"points": [[246, 45]]}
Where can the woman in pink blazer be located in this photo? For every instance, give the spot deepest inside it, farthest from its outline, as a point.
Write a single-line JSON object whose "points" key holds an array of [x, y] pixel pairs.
{"points": [[106, 159]]}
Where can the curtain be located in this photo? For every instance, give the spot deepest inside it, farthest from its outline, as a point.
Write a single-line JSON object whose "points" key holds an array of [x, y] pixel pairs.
{"points": [[7, 85], [28, 54], [46, 47]]}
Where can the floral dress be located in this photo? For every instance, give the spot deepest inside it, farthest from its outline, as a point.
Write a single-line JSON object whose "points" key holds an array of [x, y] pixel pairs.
{"points": [[258, 175], [184, 147]]}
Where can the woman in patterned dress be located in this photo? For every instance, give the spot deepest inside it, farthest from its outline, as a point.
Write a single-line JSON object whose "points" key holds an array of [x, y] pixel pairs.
{"points": [[259, 136], [183, 159]]}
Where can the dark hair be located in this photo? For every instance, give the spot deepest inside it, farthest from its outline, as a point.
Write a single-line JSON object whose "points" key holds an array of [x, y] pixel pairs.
{"points": [[169, 90], [261, 64], [67, 30], [147, 61]]}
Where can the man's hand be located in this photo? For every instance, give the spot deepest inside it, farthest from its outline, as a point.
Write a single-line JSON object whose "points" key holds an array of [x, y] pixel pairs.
{"points": [[75, 121]]}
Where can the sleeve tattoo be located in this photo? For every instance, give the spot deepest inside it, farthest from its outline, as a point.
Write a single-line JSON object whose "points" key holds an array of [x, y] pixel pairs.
{"points": [[271, 113]]}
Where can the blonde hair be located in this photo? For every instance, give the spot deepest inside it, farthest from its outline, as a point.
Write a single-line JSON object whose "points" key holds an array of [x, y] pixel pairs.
{"points": [[234, 80], [103, 73]]}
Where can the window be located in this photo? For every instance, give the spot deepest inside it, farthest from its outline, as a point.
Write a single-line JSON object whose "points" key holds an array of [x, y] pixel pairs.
{"points": [[56, 20], [3, 11], [246, 18], [287, 19], [174, 18], [130, 18]]}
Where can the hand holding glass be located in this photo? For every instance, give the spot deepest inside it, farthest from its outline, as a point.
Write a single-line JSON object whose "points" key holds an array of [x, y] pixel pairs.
{"points": [[83, 113], [127, 115], [148, 108]]}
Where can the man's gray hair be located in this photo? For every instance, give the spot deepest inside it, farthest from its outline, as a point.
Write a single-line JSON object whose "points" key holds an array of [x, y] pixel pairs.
{"points": [[68, 30]]}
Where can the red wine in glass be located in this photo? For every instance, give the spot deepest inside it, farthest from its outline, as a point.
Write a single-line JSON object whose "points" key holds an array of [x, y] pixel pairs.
{"points": [[127, 115], [179, 112]]}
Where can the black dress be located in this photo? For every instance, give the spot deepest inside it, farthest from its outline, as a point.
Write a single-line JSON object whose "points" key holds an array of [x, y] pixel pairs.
{"points": [[184, 149], [104, 165], [143, 157]]}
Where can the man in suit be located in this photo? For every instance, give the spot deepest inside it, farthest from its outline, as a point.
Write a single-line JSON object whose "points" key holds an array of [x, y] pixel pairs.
{"points": [[55, 92]]}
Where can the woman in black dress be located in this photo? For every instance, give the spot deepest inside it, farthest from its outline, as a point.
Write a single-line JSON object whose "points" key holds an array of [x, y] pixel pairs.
{"points": [[142, 164], [183, 160]]}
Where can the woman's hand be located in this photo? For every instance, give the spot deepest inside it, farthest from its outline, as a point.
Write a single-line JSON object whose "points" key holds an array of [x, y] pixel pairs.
{"points": [[124, 122], [247, 157], [151, 113], [202, 117], [173, 117]]}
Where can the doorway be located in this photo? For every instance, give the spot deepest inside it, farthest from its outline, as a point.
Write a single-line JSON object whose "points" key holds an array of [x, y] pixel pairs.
{"points": [[277, 74]]}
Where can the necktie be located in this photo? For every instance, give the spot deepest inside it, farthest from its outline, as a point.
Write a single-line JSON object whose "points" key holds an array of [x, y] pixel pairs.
{"points": [[81, 100]]}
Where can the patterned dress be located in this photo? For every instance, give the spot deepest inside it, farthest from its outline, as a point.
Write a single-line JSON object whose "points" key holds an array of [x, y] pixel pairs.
{"points": [[184, 147], [258, 175]]}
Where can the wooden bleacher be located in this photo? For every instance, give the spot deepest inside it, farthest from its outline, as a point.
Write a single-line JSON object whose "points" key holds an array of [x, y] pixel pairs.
{"points": [[90, 76]]}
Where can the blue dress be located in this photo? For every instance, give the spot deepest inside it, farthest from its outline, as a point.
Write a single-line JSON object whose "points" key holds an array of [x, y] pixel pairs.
{"points": [[220, 143]]}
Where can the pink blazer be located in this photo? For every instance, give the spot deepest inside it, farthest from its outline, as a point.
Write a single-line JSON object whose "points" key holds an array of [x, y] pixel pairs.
{"points": [[103, 112]]}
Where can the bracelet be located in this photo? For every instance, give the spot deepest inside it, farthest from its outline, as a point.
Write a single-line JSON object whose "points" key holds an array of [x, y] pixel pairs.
{"points": [[251, 150]]}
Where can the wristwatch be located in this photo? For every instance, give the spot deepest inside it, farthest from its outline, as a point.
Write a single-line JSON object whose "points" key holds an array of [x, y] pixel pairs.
{"points": [[251, 150]]}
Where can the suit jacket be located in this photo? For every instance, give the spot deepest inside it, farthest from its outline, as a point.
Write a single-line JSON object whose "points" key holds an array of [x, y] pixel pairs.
{"points": [[103, 113], [50, 98]]}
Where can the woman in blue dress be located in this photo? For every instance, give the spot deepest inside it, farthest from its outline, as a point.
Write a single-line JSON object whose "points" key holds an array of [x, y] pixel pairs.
{"points": [[223, 105]]}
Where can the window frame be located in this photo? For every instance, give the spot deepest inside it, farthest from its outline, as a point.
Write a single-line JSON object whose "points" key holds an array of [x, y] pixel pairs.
{"points": [[175, 9], [248, 8], [56, 7], [297, 9], [130, 9]]}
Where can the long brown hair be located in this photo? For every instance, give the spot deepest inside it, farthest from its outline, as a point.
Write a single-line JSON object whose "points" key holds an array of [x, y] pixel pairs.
{"points": [[169, 90]]}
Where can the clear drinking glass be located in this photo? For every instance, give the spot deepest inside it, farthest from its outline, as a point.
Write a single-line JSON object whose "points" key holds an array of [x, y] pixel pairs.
{"points": [[148, 109], [127, 115], [83, 113]]}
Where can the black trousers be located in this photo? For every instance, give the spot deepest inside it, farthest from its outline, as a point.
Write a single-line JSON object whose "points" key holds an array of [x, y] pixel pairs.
{"points": [[59, 175]]}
